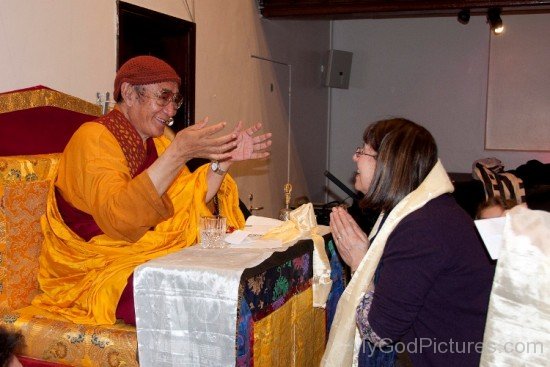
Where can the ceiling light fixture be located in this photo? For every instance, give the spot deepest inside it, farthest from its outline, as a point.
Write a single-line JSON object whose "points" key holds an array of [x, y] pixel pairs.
{"points": [[464, 16], [494, 20]]}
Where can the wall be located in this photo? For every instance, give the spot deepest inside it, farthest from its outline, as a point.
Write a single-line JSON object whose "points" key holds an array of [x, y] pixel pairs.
{"points": [[430, 70], [71, 46], [233, 86], [65, 45], [519, 75]]}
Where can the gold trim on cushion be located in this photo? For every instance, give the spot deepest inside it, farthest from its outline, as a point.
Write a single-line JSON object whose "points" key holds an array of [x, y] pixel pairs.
{"points": [[28, 168], [22, 100], [51, 338]]}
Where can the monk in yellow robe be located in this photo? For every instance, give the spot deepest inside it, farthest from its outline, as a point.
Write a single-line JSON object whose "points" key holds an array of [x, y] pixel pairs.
{"points": [[124, 194]]}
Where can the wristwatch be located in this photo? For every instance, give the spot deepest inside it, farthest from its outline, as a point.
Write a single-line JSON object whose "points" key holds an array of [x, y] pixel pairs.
{"points": [[215, 167]]}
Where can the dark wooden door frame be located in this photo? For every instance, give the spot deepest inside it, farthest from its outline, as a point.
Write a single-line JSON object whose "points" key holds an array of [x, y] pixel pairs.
{"points": [[143, 31]]}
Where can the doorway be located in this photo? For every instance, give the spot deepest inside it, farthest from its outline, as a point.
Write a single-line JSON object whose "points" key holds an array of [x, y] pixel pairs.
{"points": [[143, 31]]}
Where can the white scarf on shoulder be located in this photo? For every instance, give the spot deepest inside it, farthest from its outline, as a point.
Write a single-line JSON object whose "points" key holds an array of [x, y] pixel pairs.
{"points": [[344, 340], [517, 332]]}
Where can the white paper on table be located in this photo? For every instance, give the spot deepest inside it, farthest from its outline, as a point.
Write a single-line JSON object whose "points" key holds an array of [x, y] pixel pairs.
{"points": [[245, 239], [491, 231], [258, 243], [260, 225], [256, 221], [236, 237], [254, 228]]}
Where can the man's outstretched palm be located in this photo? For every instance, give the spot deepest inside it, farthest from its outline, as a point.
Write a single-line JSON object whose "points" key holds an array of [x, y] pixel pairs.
{"points": [[249, 146]]}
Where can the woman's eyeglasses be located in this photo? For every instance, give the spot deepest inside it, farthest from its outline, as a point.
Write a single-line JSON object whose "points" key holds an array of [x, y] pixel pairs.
{"points": [[164, 97], [361, 151]]}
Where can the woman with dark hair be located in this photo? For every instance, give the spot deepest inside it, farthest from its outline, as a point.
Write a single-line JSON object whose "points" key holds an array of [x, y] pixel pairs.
{"points": [[421, 280]]}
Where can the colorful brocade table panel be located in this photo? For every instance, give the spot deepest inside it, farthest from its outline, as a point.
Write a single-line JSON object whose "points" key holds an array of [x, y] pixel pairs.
{"points": [[277, 323]]}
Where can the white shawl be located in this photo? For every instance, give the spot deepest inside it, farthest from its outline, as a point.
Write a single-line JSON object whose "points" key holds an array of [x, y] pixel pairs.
{"points": [[517, 332]]}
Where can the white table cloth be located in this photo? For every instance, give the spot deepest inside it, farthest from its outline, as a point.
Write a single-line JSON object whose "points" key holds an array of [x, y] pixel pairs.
{"points": [[186, 306]]}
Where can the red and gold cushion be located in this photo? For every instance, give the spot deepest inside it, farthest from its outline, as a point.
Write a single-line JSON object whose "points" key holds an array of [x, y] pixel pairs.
{"points": [[34, 121], [24, 183], [40, 120], [50, 338]]}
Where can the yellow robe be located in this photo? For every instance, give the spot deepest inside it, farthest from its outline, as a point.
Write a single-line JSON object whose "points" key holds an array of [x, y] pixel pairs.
{"points": [[83, 281]]}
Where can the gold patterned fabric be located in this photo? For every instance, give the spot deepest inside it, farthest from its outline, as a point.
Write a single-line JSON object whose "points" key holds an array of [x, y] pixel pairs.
{"points": [[23, 182], [284, 337], [23, 203], [28, 168], [50, 338]]}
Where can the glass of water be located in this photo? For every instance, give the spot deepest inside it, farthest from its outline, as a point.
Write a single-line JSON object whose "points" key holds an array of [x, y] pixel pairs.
{"points": [[212, 231]]}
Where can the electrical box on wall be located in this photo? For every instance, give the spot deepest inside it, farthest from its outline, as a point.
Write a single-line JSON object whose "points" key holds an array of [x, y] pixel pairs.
{"points": [[338, 68]]}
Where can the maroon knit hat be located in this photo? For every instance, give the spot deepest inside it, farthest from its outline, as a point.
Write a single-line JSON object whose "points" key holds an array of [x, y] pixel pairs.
{"points": [[142, 70]]}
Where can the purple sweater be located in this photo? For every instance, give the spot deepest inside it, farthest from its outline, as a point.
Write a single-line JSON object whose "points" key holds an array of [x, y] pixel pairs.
{"points": [[434, 286]]}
